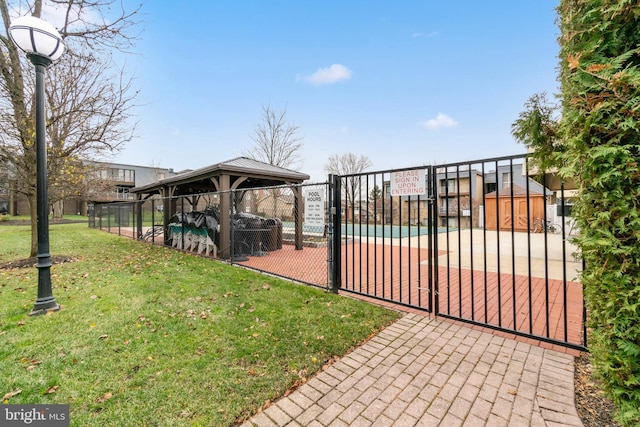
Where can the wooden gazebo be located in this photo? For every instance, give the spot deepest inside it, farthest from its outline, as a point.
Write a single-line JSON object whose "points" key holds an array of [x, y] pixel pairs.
{"points": [[236, 174]]}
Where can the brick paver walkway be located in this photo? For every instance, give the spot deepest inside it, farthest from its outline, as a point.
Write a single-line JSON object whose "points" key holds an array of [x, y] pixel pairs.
{"points": [[422, 371]]}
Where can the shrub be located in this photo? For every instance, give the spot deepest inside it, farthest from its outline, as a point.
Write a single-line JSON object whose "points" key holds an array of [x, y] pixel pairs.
{"points": [[600, 126]]}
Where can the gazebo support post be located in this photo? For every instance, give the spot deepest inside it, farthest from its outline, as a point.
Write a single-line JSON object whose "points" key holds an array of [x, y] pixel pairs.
{"points": [[297, 208], [225, 217]]}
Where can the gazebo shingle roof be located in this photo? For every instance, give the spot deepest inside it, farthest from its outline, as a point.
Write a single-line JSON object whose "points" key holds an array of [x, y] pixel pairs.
{"points": [[256, 172]]}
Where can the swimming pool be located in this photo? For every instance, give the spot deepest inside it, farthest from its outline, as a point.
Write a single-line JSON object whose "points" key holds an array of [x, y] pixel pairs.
{"points": [[370, 230]]}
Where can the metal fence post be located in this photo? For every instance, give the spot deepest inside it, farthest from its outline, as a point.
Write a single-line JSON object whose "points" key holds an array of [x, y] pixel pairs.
{"points": [[168, 209], [434, 297], [232, 228], [335, 219], [139, 218]]}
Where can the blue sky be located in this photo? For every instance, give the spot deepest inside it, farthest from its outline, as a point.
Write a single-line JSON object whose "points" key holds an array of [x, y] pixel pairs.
{"points": [[405, 83]]}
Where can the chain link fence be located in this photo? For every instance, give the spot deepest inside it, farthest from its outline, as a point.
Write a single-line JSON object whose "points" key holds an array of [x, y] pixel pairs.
{"points": [[277, 230], [283, 231]]}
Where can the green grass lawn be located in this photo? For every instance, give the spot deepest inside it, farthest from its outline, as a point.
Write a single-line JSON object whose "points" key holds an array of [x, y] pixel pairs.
{"points": [[150, 336]]}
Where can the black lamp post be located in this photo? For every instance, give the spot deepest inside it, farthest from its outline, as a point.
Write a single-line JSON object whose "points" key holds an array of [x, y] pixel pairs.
{"points": [[43, 44]]}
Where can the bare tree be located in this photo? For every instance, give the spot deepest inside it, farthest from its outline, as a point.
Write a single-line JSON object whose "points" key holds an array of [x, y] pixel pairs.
{"points": [[89, 99], [350, 165], [277, 143]]}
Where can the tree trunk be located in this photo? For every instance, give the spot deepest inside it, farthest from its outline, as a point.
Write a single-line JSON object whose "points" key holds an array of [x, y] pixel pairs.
{"points": [[58, 209], [33, 210]]}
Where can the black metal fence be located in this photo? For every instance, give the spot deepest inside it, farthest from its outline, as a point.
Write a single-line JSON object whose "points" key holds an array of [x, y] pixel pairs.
{"points": [[484, 242], [139, 220]]}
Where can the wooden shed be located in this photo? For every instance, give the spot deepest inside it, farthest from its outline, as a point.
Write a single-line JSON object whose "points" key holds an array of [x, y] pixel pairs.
{"points": [[501, 205]]}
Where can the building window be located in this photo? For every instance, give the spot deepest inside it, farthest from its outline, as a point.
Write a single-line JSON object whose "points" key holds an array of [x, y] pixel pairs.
{"points": [[122, 193], [506, 180], [448, 206], [447, 185], [126, 175]]}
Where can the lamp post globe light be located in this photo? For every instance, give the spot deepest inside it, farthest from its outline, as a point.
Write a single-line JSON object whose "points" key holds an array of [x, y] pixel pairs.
{"points": [[43, 44]]}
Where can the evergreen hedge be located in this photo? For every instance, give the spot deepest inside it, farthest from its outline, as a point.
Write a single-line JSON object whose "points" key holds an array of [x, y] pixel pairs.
{"points": [[600, 132]]}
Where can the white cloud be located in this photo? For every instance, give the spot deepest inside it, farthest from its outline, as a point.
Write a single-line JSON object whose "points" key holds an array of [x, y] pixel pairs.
{"points": [[441, 121], [420, 34], [329, 75], [57, 15]]}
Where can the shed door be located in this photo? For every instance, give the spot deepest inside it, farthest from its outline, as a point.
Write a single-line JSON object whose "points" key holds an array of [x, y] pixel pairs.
{"points": [[505, 214]]}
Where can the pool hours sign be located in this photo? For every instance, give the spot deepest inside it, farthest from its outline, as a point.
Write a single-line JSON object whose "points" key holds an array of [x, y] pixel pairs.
{"points": [[314, 207], [408, 183]]}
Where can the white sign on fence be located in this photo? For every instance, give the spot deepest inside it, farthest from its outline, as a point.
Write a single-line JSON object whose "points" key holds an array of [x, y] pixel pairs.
{"points": [[314, 207], [408, 183]]}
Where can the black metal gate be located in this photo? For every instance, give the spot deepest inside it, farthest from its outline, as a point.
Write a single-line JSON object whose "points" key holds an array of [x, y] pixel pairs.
{"points": [[485, 242]]}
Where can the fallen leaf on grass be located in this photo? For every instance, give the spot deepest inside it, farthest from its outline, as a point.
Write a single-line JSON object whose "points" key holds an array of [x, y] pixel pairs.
{"points": [[11, 394], [21, 323], [185, 414], [104, 397], [52, 389]]}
